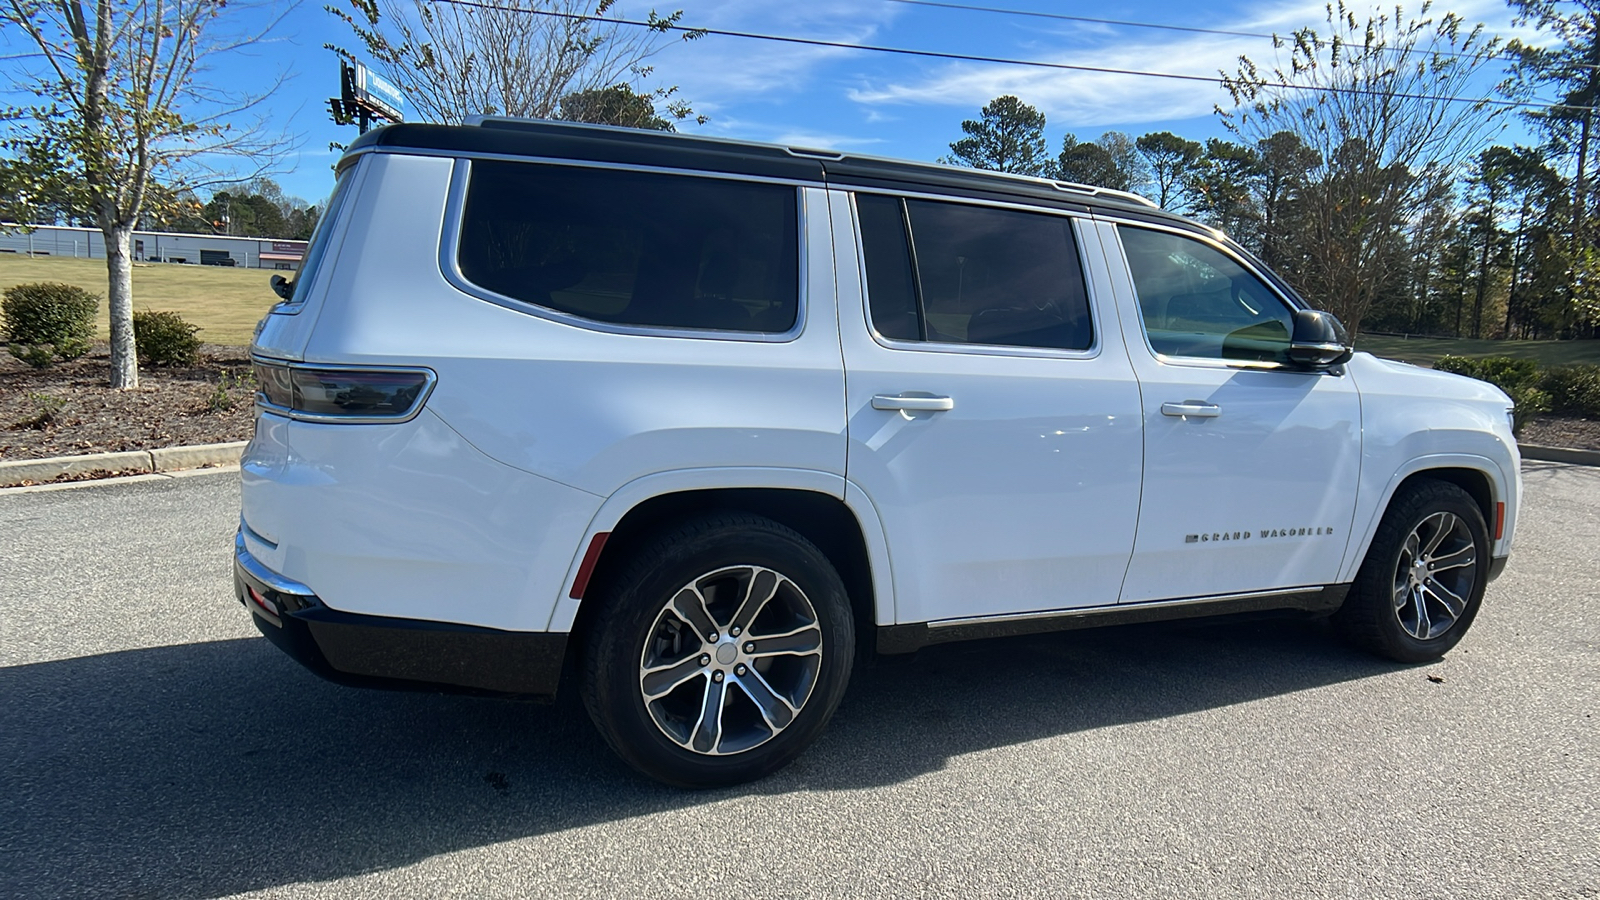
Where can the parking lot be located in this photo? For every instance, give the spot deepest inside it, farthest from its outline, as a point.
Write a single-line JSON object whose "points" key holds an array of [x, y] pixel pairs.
{"points": [[153, 744]]}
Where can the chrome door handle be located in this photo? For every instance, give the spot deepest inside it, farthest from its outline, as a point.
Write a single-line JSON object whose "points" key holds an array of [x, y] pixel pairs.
{"points": [[1195, 409], [925, 404]]}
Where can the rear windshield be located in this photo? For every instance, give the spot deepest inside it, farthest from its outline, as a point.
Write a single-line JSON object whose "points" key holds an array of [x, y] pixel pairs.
{"points": [[320, 235], [634, 248]]}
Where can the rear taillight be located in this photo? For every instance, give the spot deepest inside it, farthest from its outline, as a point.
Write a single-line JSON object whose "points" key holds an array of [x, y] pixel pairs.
{"points": [[351, 394]]}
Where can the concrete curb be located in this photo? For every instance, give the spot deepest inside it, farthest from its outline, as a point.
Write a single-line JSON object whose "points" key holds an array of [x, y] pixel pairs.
{"points": [[132, 462], [1560, 454]]}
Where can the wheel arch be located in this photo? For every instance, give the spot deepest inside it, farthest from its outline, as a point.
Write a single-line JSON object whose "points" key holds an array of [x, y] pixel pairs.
{"points": [[1479, 476], [813, 504]]}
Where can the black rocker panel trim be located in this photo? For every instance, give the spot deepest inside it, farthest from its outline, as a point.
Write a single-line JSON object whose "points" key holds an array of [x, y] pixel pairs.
{"points": [[909, 638]]}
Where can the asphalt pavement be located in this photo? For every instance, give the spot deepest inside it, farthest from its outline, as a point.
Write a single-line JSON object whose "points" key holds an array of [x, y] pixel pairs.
{"points": [[152, 744]]}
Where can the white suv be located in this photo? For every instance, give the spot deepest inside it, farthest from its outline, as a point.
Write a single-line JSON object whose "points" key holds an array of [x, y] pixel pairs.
{"points": [[702, 423]]}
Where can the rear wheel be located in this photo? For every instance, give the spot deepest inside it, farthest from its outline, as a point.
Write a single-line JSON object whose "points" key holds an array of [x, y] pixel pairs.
{"points": [[1423, 579], [720, 652]]}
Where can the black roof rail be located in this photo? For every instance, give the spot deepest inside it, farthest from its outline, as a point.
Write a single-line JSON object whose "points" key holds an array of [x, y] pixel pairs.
{"points": [[512, 136]]}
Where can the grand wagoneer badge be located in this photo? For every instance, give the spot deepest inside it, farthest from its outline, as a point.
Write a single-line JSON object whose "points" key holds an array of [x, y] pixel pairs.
{"points": [[1263, 533]]}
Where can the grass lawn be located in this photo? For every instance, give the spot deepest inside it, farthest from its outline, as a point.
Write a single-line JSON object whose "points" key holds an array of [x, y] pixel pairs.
{"points": [[1423, 351], [226, 303]]}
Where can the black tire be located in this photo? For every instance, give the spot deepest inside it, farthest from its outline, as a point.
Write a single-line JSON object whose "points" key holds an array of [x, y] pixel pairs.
{"points": [[633, 627], [1381, 612]]}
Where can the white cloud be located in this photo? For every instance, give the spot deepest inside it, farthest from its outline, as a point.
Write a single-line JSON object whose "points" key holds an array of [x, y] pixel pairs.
{"points": [[717, 71]]}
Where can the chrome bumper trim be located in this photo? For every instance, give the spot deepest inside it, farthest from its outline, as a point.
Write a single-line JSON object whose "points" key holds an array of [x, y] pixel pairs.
{"points": [[243, 559]]}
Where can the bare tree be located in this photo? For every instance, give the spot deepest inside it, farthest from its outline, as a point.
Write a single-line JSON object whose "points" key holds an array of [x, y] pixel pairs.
{"points": [[123, 100], [1388, 106], [504, 57]]}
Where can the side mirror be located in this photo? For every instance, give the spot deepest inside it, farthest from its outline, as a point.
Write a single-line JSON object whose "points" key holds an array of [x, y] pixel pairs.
{"points": [[282, 286], [1319, 340]]}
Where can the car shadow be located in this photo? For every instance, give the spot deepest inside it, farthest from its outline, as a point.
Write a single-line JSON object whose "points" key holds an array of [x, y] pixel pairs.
{"points": [[215, 768]]}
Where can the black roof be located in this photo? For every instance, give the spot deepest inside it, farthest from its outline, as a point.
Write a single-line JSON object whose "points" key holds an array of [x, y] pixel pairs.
{"points": [[567, 140]]}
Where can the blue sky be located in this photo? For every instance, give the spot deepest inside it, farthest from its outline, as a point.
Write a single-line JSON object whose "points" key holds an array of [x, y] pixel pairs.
{"points": [[882, 104]]}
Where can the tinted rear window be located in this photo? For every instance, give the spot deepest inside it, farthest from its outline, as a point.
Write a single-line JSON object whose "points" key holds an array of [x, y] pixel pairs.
{"points": [[317, 247], [634, 248]]}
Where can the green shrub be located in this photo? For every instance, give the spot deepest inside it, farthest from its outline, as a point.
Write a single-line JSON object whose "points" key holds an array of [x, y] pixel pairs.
{"points": [[45, 409], [1519, 378], [165, 339], [48, 321], [1573, 389]]}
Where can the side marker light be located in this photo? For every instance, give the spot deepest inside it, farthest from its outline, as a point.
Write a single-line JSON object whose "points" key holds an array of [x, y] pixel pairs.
{"points": [[586, 568]]}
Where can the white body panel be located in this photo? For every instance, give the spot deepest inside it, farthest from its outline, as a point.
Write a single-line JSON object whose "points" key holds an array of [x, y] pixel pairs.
{"points": [[1021, 497], [1253, 499], [1416, 419], [575, 414], [409, 521], [1024, 496]]}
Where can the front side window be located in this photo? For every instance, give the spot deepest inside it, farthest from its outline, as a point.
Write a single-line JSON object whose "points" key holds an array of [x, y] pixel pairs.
{"points": [[958, 273], [634, 248], [1196, 301]]}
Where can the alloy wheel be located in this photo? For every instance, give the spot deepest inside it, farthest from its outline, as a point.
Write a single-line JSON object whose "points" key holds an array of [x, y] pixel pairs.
{"points": [[731, 660], [1436, 572]]}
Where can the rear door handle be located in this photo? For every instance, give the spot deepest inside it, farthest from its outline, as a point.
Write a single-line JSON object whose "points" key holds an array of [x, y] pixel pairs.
{"points": [[1195, 409], [924, 404]]}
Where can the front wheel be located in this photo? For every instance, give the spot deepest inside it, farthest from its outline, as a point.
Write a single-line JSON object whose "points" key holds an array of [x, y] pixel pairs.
{"points": [[720, 652], [1422, 581]]}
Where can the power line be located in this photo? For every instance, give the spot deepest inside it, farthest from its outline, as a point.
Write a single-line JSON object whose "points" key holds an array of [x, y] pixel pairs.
{"points": [[1125, 23], [1083, 19], [667, 25]]}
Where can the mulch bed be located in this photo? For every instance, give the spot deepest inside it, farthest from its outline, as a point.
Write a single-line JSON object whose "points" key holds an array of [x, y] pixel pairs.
{"points": [[67, 409], [1577, 432]]}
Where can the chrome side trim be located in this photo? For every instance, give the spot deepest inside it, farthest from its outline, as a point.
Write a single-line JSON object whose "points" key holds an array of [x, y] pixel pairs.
{"points": [[1021, 205], [450, 242], [431, 378], [243, 559], [468, 155], [1121, 607], [1308, 600]]}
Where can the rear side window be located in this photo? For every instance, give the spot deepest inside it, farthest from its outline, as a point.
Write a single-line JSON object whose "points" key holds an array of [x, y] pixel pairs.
{"points": [[634, 248], [957, 273]]}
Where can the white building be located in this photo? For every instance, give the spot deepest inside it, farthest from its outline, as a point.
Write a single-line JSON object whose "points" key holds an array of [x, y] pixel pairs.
{"points": [[155, 246]]}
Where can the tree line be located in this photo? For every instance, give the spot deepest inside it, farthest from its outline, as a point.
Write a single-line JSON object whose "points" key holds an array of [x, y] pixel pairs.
{"points": [[1375, 186], [255, 208]]}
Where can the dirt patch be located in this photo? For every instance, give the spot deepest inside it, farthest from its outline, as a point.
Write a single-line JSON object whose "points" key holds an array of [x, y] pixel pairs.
{"points": [[1576, 432], [67, 409]]}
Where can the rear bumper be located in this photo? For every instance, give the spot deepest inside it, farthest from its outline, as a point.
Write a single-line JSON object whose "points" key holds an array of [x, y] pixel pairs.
{"points": [[1497, 564], [397, 654]]}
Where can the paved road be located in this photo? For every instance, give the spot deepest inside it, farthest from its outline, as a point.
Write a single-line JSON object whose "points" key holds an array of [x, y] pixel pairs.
{"points": [[151, 744]]}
